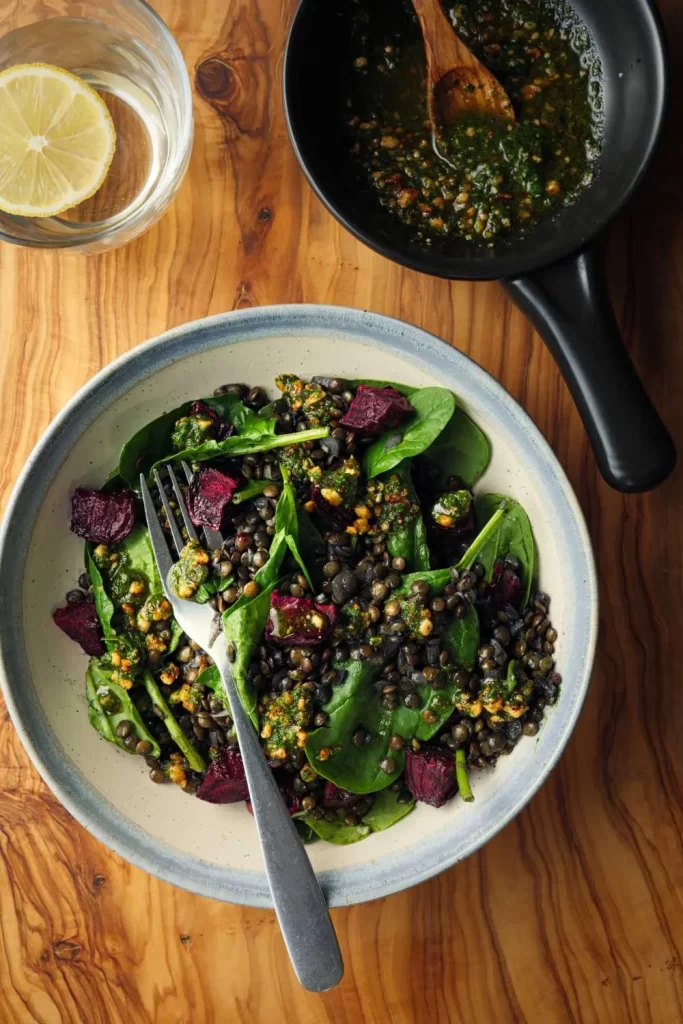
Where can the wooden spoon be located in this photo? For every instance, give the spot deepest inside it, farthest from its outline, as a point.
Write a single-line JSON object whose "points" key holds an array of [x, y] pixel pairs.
{"points": [[458, 82]]}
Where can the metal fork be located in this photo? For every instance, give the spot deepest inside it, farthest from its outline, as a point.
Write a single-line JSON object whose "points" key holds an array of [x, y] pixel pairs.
{"points": [[298, 900]]}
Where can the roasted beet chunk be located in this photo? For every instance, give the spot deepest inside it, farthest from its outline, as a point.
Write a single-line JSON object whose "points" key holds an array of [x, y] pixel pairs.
{"points": [[506, 586], [208, 497], [298, 620], [80, 623], [335, 798], [102, 518], [376, 409], [221, 429], [430, 775], [339, 515], [225, 781]]}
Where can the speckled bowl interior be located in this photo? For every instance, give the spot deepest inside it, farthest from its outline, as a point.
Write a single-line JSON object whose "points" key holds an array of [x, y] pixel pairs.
{"points": [[210, 849]]}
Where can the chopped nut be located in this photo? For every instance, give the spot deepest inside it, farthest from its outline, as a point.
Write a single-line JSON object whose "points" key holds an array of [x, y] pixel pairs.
{"points": [[169, 675], [389, 142], [331, 496], [407, 197]]}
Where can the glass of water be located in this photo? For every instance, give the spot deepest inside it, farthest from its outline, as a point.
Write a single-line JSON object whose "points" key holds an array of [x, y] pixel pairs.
{"points": [[123, 50]]}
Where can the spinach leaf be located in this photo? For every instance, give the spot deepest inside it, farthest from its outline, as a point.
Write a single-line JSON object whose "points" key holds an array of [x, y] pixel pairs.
{"points": [[514, 677], [153, 441], [104, 605], [505, 530], [243, 628], [311, 547], [287, 523], [285, 512], [96, 713], [99, 685], [284, 540], [384, 813], [246, 421], [433, 409], [461, 450], [148, 444], [176, 636], [461, 637], [210, 676], [186, 747], [266, 576], [238, 445], [137, 554], [355, 704], [437, 579], [296, 555], [409, 541], [306, 833]]}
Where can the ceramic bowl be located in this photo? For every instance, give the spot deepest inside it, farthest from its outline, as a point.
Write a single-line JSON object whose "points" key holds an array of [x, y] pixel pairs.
{"points": [[210, 849]]}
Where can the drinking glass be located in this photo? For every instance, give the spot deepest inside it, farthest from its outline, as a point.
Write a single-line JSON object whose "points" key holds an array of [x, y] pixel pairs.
{"points": [[122, 49]]}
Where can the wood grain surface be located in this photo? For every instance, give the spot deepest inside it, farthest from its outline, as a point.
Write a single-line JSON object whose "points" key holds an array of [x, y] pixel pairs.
{"points": [[574, 912]]}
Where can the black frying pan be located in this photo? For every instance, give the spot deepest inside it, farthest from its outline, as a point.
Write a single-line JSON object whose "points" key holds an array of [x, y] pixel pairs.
{"points": [[555, 275]]}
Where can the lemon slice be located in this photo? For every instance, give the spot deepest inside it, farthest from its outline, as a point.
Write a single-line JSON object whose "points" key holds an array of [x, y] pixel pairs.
{"points": [[57, 140]]}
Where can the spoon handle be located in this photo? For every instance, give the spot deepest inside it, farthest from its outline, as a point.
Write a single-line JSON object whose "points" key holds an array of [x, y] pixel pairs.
{"points": [[297, 897]]}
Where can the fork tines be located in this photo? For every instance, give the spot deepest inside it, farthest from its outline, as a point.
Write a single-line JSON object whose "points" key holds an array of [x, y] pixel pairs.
{"points": [[214, 539]]}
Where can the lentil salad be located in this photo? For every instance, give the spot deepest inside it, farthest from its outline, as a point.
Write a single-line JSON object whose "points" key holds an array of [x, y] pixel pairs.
{"points": [[481, 179], [379, 611]]}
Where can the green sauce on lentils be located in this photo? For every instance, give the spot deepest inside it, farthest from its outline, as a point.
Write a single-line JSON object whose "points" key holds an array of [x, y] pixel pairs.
{"points": [[483, 178]]}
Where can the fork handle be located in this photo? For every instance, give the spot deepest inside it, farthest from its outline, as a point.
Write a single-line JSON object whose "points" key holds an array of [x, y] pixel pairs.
{"points": [[297, 897]]}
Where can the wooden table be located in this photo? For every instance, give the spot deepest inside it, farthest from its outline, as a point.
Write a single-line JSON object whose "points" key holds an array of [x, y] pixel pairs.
{"points": [[573, 913]]}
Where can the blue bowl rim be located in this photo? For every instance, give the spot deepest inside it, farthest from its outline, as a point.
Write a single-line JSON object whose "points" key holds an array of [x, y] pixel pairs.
{"points": [[342, 886]]}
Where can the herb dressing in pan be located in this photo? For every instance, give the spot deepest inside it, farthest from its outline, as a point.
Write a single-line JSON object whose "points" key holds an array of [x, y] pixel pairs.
{"points": [[484, 178]]}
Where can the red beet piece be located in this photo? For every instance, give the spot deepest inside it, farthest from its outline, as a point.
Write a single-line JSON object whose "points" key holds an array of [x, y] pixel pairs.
{"points": [[506, 586], [376, 409], [80, 623], [339, 515], [335, 798], [298, 620], [225, 781], [430, 775], [221, 429], [208, 497], [102, 518]]}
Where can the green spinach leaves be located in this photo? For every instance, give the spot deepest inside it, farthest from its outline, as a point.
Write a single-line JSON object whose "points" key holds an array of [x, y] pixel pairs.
{"points": [[104, 606], [239, 445], [433, 409], [255, 432], [385, 812], [505, 529], [460, 450], [355, 705], [409, 540], [109, 705]]}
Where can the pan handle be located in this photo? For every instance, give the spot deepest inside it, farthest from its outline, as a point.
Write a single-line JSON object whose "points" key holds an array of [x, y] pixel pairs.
{"points": [[569, 306]]}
